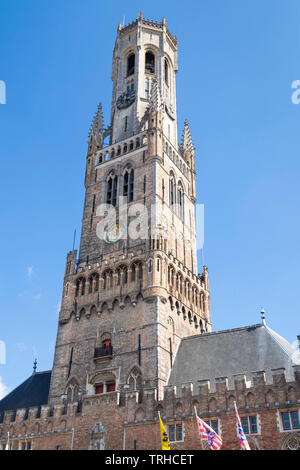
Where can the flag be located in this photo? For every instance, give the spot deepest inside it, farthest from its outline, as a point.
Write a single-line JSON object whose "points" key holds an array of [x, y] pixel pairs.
{"points": [[165, 445], [206, 432], [241, 434]]}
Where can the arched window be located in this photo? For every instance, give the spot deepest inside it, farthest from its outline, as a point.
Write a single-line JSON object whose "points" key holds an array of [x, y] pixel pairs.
{"points": [[140, 271], [135, 379], [166, 72], [94, 283], [107, 278], [112, 189], [128, 184], [130, 64], [149, 62], [90, 285], [180, 200], [133, 272], [122, 273], [83, 286], [172, 188]]}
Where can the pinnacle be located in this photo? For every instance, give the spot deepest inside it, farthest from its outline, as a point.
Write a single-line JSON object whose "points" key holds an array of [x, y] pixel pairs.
{"points": [[187, 143]]}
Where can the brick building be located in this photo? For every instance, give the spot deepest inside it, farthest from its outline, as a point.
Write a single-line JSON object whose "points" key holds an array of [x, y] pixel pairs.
{"points": [[134, 331]]}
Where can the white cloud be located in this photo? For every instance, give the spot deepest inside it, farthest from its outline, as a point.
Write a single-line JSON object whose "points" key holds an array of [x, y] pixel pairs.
{"points": [[29, 272], [3, 389], [37, 296], [22, 347]]}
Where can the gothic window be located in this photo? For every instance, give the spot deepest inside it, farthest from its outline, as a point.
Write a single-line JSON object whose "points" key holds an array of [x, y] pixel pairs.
{"points": [[112, 189], [133, 272], [94, 283], [67, 289], [149, 62], [107, 280], [83, 286], [130, 65], [172, 188], [96, 280], [171, 274], [177, 282], [128, 184], [166, 72], [72, 391], [122, 273], [140, 271], [180, 200]]}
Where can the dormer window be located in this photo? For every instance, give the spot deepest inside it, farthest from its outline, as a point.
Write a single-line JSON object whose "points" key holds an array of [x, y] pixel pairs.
{"points": [[130, 65], [149, 63]]}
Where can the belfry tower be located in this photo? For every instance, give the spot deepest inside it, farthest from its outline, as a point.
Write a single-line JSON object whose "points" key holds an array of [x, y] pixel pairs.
{"points": [[133, 290]]}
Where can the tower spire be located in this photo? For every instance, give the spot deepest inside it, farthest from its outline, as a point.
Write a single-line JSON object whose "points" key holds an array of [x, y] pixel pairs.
{"points": [[187, 143], [96, 131]]}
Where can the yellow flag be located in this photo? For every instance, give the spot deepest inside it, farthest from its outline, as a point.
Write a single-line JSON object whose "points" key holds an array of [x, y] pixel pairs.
{"points": [[165, 445]]}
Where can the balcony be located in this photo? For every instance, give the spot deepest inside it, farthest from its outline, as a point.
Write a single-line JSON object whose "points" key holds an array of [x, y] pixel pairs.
{"points": [[103, 354]]}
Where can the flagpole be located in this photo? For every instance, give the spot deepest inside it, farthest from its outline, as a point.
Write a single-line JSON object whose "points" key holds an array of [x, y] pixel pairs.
{"points": [[72, 443], [124, 437], [244, 446], [195, 409]]}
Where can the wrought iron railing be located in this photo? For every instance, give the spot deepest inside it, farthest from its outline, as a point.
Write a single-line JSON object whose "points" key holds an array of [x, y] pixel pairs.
{"points": [[104, 351]]}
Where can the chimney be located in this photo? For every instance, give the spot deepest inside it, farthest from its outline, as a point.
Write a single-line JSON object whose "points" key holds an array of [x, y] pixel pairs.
{"points": [[298, 338]]}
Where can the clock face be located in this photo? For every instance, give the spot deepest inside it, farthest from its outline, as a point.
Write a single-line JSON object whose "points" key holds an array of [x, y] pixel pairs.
{"points": [[126, 99], [113, 234]]}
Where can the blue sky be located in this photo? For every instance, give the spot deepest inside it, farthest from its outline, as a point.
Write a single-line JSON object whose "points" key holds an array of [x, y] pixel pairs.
{"points": [[237, 61]]}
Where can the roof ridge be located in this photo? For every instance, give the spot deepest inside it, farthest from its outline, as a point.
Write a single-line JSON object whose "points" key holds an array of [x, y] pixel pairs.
{"points": [[43, 372], [274, 335], [257, 325]]}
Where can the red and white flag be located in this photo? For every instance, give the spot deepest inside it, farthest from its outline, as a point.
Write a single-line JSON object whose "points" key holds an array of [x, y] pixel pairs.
{"points": [[208, 434], [241, 434]]}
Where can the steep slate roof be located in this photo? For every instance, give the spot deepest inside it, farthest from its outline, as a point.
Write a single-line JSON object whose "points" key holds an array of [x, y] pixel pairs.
{"points": [[231, 352], [33, 392]]}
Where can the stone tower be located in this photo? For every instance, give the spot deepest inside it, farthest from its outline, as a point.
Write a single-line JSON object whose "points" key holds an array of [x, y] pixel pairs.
{"points": [[134, 290]]}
